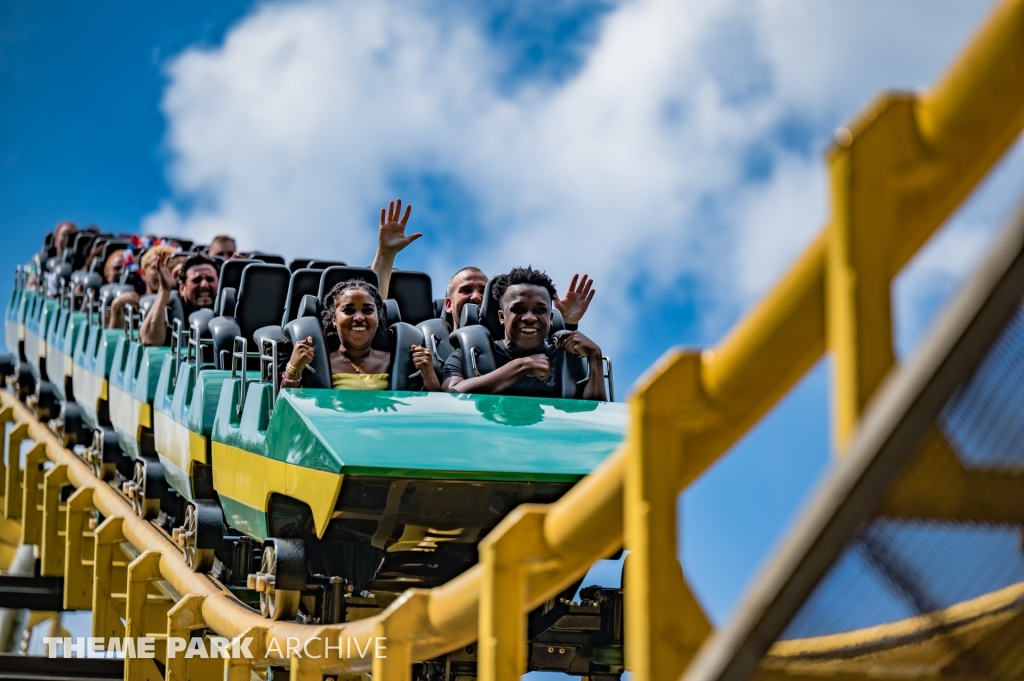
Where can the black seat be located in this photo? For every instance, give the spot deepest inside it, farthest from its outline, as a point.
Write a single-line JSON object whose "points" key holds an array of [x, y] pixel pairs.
{"points": [[304, 282], [267, 258], [324, 264], [332, 276], [412, 290], [145, 304], [403, 374], [231, 273], [82, 246], [108, 292], [109, 247], [299, 263], [260, 302], [226, 303], [435, 338], [477, 349], [318, 375]]}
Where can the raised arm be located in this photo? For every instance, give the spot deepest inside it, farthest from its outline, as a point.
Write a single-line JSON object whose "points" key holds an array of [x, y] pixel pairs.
{"points": [[154, 328], [391, 239], [573, 305]]}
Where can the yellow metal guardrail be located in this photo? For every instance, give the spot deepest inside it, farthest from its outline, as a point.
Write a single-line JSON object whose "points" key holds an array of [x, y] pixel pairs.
{"points": [[897, 174]]}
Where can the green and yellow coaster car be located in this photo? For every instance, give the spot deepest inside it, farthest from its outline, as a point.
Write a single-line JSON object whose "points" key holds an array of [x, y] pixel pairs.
{"points": [[131, 389], [394, 489]]}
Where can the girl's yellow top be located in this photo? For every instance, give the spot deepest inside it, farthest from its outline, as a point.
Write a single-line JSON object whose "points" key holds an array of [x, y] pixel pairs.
{"points": [[359, 381]]}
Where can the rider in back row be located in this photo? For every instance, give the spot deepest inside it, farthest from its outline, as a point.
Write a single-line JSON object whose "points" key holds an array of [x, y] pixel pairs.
{"points": [[353, 310]]}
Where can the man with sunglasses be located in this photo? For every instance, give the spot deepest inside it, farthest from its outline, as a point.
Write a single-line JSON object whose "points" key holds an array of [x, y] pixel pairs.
{"points": [[196, 286]]}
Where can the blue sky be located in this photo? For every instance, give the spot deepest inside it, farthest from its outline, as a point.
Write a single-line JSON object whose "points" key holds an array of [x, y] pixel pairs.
{"points": [[674, 150]]}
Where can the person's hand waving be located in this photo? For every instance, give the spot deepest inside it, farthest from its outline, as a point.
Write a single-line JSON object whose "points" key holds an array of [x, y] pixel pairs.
{"points": [[167, 280], [391, 237], [576, 300]]}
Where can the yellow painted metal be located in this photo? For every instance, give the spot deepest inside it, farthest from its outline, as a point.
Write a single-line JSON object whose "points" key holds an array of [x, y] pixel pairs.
{"points": [[184, 618], [508, 554], [127, 412], [12, 471], [240, 668], [176, 443], [107, 579], [79, 552], [140, 620], [32, 497], [51, 558], [403, 620], [251, 479], [664, 624]]}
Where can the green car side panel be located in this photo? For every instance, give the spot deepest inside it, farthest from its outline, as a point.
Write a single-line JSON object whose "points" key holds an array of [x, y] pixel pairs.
{"points": [[438, 435]]}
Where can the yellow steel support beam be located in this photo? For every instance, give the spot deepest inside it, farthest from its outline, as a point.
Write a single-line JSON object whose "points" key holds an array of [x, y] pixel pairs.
{"points": [[664, 624], [12, 471], [31, 507], [142, 571], [965, 124], [79, 552], [240, 668], [507, 555], [403, 620], [51, 563], [184, 618], [106, 617]]}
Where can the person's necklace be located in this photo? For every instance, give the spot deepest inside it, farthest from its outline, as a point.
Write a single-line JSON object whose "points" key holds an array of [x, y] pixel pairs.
{"points": [[358, 367]]}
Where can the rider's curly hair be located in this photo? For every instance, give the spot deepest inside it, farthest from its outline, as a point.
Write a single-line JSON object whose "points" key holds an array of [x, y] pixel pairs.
{"points": [[331, 302], [521, 275]]}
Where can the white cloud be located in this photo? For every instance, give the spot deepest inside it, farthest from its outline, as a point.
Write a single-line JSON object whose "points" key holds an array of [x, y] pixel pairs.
{"points": [[636, 168]]}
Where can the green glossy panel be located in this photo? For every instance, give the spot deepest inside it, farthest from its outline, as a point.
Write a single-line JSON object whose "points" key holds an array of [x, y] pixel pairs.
{"points": [[147, 374], [176, 477], [205, 396], [444, 435], [163, 399], [244, 518]]}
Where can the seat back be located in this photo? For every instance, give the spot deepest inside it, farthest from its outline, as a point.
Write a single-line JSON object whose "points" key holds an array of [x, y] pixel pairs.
{"points": [[309, 327], [267, 258], [261, 297], [226, 303], [82, 246], [412, 290], [260, 302], [109, 247], [332, 276], [403, 374], [299, 263], [231, 273], [435, 338], [324, 264], [303, 282], [477, 349]]}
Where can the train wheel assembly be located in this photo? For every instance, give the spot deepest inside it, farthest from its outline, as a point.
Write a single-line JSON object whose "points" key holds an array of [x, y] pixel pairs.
{"points": [[281, 578], [142, 489], [201, 534]]}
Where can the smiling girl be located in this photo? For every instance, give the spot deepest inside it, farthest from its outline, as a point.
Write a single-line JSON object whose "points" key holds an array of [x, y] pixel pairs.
{"points": [[353, 310]]}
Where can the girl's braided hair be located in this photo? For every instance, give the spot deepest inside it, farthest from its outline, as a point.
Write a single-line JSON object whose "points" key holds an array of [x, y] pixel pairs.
{"points": [[331, 302]]}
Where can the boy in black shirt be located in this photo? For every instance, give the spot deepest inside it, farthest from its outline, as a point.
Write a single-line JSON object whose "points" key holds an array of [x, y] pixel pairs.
{"points": [[524, 357]]}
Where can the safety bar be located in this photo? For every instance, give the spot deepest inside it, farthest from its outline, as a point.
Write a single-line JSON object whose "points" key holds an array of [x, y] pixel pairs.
{"points": [[269, 363]]}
